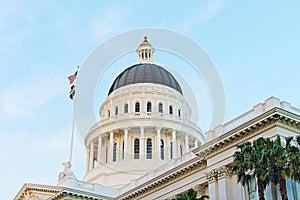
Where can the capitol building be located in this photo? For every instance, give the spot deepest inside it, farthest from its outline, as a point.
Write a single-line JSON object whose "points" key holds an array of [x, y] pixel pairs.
{"points": [[145, 145]]}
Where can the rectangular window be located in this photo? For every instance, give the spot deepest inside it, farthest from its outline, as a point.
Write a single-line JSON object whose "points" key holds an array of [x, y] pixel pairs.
{"points": [[252, 189], [136, 149]]}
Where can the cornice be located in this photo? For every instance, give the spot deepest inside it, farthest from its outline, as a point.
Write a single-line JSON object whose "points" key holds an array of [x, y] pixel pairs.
{"points": [[275, 117], [37, 187]]}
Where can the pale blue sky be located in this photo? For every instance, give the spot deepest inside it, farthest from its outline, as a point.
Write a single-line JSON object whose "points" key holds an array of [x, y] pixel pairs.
{"points": [[255, 47]]}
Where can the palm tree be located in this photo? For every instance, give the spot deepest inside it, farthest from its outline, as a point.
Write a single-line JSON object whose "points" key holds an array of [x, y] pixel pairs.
{"points": [[288, 164], [276, 159], [249, 163], [294, 161], [269, 161], [259, 163], [191, 194]]}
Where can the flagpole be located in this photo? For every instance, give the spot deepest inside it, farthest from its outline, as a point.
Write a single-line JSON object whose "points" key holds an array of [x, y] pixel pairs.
{"points": [[73, 126], [73, 129]]}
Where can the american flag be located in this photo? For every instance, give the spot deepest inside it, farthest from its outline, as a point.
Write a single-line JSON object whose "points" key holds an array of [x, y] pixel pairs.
{"points": [[72, 78]]}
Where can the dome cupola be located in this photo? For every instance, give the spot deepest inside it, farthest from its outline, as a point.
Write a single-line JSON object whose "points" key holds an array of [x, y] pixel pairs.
{"points": [[145, 71], [145, 52]]}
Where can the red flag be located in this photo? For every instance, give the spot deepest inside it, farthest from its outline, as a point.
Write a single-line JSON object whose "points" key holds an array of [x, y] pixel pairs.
{"points": [[72, 78]]}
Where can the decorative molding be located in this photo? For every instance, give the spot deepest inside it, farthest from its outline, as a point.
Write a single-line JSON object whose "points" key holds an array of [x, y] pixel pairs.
{"points": [[218, 173], [224, 172], [212, 176], [201, 188]]}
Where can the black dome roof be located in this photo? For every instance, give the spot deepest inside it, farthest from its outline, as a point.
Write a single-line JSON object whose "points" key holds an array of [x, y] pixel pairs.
{"points": [[145, 73]]}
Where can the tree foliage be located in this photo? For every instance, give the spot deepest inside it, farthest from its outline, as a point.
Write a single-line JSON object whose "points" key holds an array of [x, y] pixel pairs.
{"points": [[269, 161], [191, 194]]}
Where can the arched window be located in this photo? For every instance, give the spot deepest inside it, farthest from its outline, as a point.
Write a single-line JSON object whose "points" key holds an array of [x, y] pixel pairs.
{"points": [[108, 113], [137, 107], [149, 148], [160, 108], [115, 152], [136, 149], [116, 110], [149, 107], [106, 154], [171, 150], [170, 110], [179, 113], [123, 149], [162, 153], [126, 108], [181, 153], [94, 162]]}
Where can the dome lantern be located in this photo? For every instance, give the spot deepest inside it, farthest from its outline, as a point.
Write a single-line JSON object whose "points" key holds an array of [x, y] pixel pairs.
{"points": [[145, 52]]}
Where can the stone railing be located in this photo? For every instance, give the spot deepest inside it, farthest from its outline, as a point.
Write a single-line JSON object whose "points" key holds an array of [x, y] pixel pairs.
{"points": [[149, 115], [238, 121], [295, 110], [97, 188], [158, 171], [257, 110]]}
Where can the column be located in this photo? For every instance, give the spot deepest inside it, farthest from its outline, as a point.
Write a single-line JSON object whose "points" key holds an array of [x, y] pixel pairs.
{"points": [[87, 164], [186, 142], [174, 144], [142, 143], [227, 182], [91, 164], [110, 147], [99, 156], [126, 144], [158, 150], [196, 143], [167, 147], [213, 190]]}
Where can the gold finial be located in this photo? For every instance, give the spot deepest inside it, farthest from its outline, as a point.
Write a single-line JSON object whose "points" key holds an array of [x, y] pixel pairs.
{"points": [[77, 67], [145, 37]]}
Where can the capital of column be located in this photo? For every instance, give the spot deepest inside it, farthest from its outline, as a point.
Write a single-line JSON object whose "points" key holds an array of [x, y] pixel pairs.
{"points": [[174, 132], [200, 189], [218, 173], [224, 172], [212, 176], [111, 134], [158, 129], [142, 132]]}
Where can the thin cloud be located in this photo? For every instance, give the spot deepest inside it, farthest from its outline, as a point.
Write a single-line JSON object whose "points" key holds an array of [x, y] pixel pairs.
{"points": [[39, 157], [203, 14], [23, 100], [111, 22]]}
